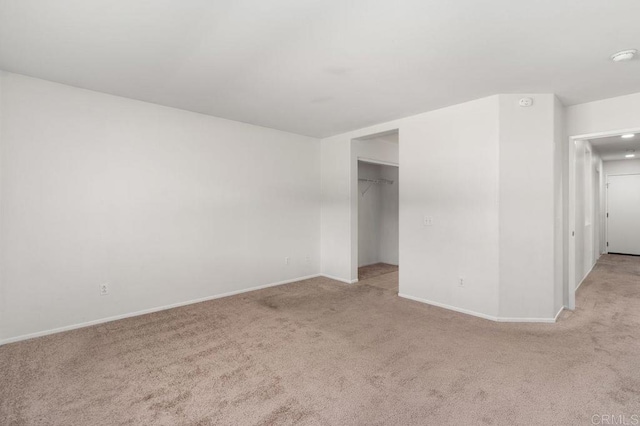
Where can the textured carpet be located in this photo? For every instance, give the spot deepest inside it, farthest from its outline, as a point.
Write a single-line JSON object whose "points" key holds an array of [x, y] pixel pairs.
{"points": [[370, 271], [322, 352]]}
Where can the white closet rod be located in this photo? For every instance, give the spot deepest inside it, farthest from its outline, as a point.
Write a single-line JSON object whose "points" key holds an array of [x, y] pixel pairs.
{"points": [[385, 181], [372, 182]]}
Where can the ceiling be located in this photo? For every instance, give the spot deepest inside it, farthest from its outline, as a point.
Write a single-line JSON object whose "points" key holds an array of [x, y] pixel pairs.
{"points": [[322, 67], [615, 147]]}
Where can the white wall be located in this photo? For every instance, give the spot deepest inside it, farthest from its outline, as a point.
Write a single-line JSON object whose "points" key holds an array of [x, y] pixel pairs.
{"points": [[528, 249], [3, 304], [169, 206], [377, 215], [165, 205], [561, 214], [336, 209], [622, 167], [614, 114], [452, 173], [390, 238], [599, 206], [588, 210]]}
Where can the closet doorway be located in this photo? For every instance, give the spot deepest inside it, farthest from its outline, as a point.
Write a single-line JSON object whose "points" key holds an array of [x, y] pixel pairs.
{"points": [[378, 209]]}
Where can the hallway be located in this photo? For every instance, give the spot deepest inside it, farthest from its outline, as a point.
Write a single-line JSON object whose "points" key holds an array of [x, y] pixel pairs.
{"points": [[609, 294]]}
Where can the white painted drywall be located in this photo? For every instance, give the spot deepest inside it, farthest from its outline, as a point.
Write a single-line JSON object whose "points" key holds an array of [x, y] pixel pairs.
{"points": [[561, 251], [165, 205], [588, 208], [390, 238], [607, 115], [599, 204], [579, 210], [452, 173], [377, 215], [622, 167], [3, 308], [527, 207], [82, 172], [335, 209], [376, 149], [449, 171]]}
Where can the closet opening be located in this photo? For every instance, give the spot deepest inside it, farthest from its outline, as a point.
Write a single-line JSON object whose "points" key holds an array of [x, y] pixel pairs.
{"points": [[378, 199]]}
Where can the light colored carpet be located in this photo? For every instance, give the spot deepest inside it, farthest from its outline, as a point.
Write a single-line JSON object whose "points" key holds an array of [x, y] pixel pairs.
{"points": [[370, 271], [386, 276], [322, 352]]}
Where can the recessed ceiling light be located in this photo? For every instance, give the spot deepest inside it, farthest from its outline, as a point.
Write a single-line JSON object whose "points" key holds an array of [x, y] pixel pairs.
{"points": [[630, 155], [628, 136], [624, 55]]}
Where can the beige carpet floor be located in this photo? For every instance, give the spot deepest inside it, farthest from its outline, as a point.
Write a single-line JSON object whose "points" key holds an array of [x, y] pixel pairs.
{"points": [[370, 271], [322, 352]]}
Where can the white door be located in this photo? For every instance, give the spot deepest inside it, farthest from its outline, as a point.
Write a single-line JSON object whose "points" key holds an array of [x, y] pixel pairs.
{"points": [[623, 214]]}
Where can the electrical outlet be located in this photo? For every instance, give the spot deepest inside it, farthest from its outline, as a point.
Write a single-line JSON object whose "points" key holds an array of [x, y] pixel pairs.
{"points": [[287, 260], [307, 259], [460, 282], [428, 221], [104, 289]]}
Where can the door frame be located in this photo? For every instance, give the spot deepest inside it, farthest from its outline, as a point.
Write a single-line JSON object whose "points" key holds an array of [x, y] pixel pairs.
{"points": [[355, 211], [570, 288], [597, 211]]}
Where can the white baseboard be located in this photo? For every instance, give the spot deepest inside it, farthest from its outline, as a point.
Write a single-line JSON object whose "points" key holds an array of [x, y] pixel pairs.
{"points": [[148, 311], [555, 319], [586, 275], [479, 314], [539, 320], [342, 280], [449, 307]]}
